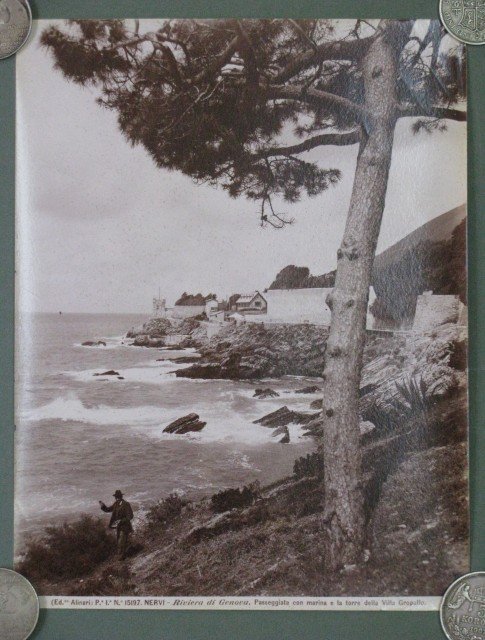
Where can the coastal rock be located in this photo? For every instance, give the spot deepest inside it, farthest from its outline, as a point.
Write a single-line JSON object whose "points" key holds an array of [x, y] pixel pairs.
{"points": [[311, 389], [282, 417], [147, 341], [185, 424], [316, 404], [254, 351], [183, 359], [154, 328], [93, 343], [366, 427], [111, 372], [265, 393], [204, 371], [282, 431]]}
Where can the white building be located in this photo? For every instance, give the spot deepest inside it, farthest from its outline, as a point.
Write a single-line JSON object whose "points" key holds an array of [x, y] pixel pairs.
{"points": [[253, 302], [300, 306]]}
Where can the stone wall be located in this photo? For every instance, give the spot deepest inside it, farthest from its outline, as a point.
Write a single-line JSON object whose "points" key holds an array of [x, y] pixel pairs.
{"points": [[179, 312], [295, 306], [435, 310]]}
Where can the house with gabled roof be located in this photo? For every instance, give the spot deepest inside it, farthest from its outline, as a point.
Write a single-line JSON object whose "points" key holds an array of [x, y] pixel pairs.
{"points": [[251, 303]]}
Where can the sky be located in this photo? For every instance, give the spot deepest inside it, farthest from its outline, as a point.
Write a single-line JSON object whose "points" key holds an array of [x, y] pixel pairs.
{"points": [[100, 229]]}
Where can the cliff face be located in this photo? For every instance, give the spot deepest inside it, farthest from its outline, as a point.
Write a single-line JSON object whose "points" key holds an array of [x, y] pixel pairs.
{"points": [[253, 351], [292, 277], [419, 264]]}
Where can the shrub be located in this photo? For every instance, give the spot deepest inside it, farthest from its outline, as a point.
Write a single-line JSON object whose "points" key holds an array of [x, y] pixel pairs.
{"points": [[309, 465], [166, 510], [383, 421], [69, 550], [232, 499], [413, 396], [112, 581], [459, 356]]}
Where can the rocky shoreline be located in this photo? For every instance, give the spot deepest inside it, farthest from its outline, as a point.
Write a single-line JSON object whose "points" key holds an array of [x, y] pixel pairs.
{"points": [[398, 369], [413, 449]]}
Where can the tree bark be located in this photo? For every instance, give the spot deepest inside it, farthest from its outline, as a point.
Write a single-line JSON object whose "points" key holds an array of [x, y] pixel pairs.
{"points": [[344, 517]]}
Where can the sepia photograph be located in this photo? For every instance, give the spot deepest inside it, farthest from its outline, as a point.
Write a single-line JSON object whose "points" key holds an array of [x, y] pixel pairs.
{"points": [[241, 309]]}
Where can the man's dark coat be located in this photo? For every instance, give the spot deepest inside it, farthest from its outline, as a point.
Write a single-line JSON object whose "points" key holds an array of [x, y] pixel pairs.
{"points": [[121, 513]]}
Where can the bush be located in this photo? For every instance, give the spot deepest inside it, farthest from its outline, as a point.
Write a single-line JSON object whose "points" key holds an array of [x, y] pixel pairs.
{"points": [[166, 510], [459, 356], [414, 397], [308, 466], [69, 550], [383, 421], [233, 499]]}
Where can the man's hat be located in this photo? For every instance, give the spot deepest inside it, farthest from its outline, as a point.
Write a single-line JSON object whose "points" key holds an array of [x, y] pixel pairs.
{"points": [[117, 494]]}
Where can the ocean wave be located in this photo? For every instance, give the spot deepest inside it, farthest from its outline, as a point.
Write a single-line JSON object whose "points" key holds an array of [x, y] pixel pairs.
{"points": [[72, 409], [227, 422], [151, 373]]}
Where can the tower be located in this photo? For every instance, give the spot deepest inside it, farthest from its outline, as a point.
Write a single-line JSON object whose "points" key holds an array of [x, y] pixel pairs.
{"points": [[159, 307]]}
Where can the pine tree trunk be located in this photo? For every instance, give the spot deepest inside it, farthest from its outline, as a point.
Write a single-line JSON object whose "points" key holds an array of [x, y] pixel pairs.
{"points": [[344, 507]]}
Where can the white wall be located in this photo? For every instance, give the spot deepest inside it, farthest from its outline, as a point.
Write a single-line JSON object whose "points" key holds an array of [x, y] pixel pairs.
{"points": [[185, 311], [435, 310], [298, 305]]}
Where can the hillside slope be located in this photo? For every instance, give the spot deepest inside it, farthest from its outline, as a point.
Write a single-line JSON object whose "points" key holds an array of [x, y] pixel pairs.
{"points": [[436, 230]]}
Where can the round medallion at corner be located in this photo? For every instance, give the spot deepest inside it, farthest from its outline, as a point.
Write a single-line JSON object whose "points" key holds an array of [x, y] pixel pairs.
{"points": [[464, 20], [19, 606], [462, 611], [15, 26]]}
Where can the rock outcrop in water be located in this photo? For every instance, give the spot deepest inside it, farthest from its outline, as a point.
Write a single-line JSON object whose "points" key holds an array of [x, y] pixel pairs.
{"points": [[111, 372], [185, 424], [265, 393], [285, 432], [182, 359], [311, 389], [282, 417], [147, 341]]}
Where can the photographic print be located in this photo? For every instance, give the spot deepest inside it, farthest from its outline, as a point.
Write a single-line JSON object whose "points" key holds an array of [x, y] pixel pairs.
{"points": [[241, 363]]}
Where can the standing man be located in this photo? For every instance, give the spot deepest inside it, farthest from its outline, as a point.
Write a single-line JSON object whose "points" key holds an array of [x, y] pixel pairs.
{"points": [[121, 517]]}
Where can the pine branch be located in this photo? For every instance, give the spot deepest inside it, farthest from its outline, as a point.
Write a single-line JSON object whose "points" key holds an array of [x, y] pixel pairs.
{"points": [[331, 101], [415, 111], [337, 139], [339, 50], [217, 63]]}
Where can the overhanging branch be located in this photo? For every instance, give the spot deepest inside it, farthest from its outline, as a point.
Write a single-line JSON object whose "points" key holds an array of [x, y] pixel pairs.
{"points": [[414, 111], [328, 139], [217, 63], [339, 50], [331, 101]]}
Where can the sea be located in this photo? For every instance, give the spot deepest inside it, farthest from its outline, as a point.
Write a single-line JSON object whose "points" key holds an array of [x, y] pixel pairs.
{"points": [[80, 436]]}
